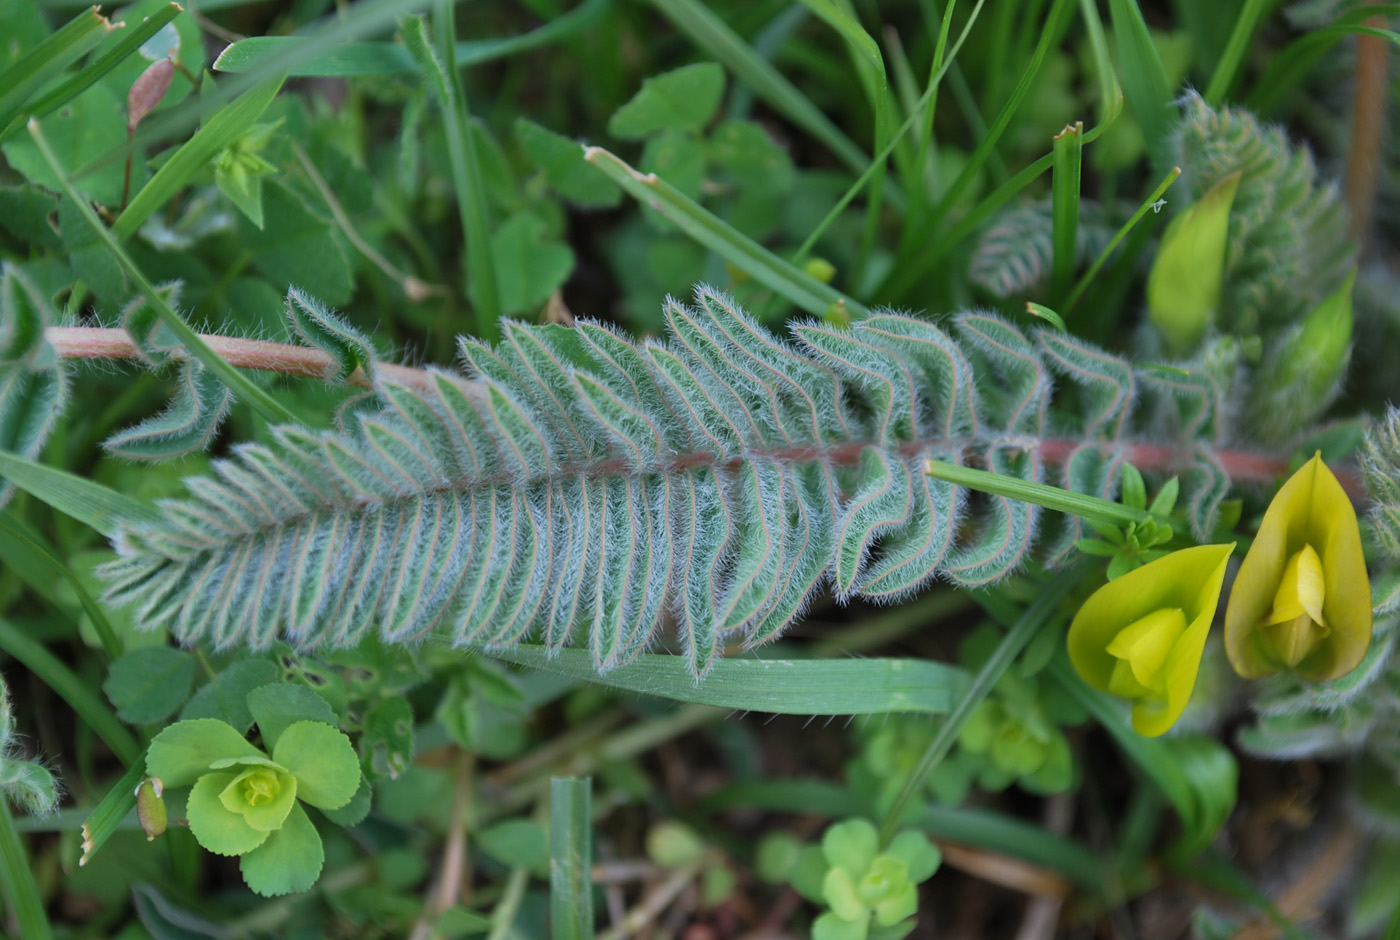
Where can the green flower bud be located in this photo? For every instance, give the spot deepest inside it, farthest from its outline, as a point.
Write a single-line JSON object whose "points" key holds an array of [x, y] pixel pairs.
{"points": [[1300, 376], [1183, 289]]}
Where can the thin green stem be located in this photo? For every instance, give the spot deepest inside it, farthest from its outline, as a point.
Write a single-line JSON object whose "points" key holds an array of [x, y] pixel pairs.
{"points": [[503, 914], [1151, 203], [1051, 497]]}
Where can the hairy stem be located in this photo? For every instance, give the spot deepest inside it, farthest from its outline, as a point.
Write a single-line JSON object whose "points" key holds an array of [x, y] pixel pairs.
{"points": [[82, 342], [102, 343]]}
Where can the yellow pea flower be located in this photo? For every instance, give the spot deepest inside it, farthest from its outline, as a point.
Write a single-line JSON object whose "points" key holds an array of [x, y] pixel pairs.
{"points": [[1141, 636], [1302, 600]]}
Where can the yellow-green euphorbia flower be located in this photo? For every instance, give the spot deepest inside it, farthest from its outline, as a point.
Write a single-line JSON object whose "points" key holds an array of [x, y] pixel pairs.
{"points": [[1141, 636], [1302, 600]]}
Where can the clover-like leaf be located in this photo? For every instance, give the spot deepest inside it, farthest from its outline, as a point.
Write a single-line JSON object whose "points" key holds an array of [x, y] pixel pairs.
{"points": [[289, 861], [214, 825], [276, 707], [851, 845], [920, 856], [185, 751], [323, 761]]}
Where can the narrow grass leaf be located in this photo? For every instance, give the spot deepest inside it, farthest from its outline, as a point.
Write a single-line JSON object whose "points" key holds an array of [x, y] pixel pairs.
{"points": [[90, 503], [785, 279], [571, 858], [48, 59], [1228, 68], [713, 35], [16, 533], [1110, 93], [109, 815], [786, 687], [1032, 621], [1144, 79], [1290, 65], [385, 58], [438, 63], [1152, 202], [131, 40], [1064, 207]]}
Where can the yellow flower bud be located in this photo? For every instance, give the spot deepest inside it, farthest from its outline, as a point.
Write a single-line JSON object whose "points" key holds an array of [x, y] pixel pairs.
{"points": [[1302, 600], [1140, 637]]}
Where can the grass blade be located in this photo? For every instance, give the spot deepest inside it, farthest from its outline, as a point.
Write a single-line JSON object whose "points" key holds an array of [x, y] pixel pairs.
{"points": [[241, 386], [1228, 68], [73, 690], [785, 279], [17, 878], [226, 126], [109, 815], [1064, 207], [90, 503], [786, 687], [93, 73], [1110, 93], [437, 60], [570, 858], [15, 533], [48, 59], [1152, 202], [1144, 79], [387, 58]]}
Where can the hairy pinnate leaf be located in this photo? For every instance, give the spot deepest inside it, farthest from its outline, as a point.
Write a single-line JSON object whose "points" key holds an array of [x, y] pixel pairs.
{"points": [[580, 486]]}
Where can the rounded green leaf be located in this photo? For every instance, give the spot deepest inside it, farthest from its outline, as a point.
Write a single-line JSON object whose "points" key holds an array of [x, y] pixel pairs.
{"points": [[684, 99], [214, 827], [920, 856], [830, 926], [839, 892], [184, 752], [851, 845], [323, 761], [275, 707], [289, 861], [150, 684]]}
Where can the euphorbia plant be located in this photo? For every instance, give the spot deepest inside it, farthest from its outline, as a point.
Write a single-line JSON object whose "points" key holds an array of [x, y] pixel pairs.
{"points": [[244, 803]]}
